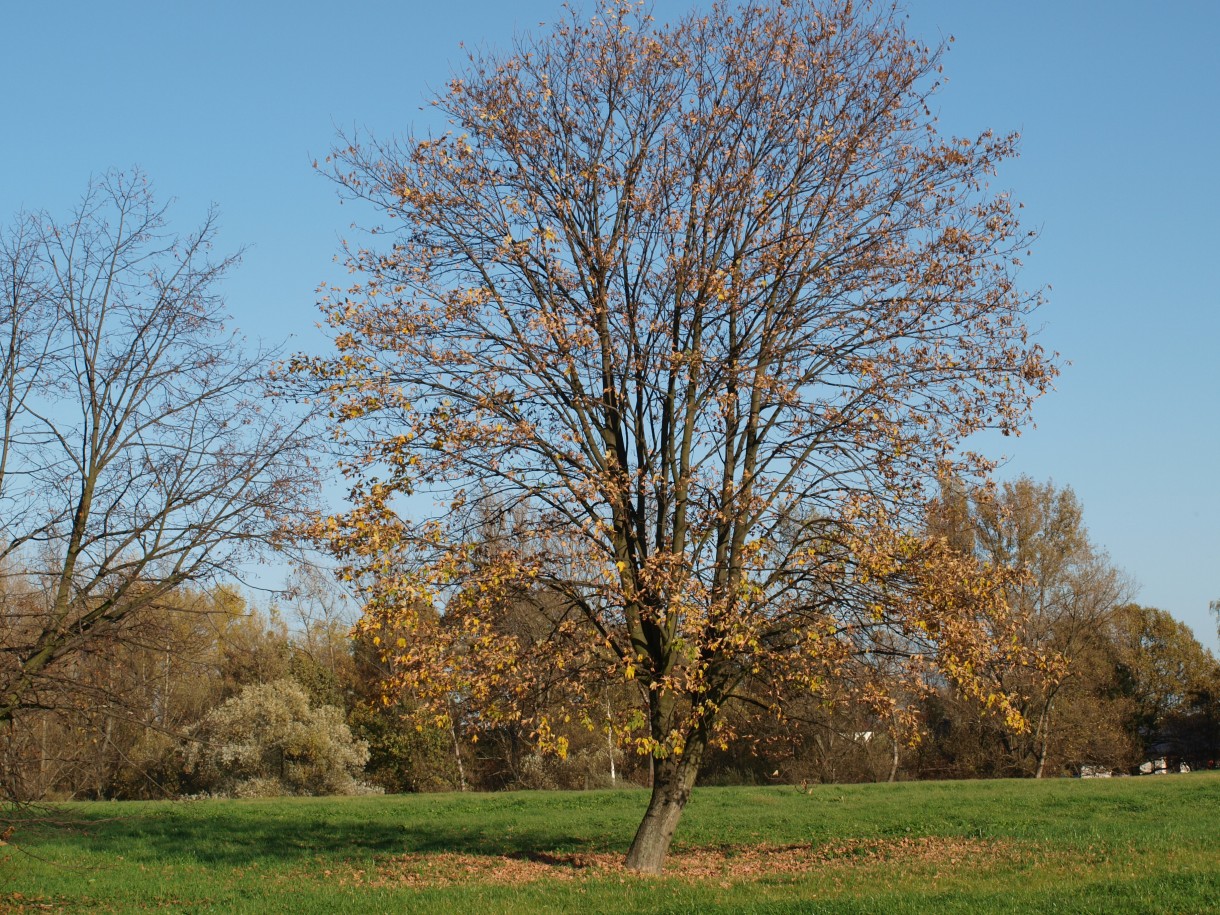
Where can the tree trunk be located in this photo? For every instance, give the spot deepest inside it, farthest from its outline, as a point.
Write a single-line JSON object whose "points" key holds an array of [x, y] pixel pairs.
{"points": [[673, 779], [1046, 738], [457, 753], [610, 742]]}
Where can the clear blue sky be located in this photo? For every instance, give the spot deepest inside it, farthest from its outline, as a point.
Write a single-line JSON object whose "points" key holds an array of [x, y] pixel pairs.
{"points": [[1118, 103]]}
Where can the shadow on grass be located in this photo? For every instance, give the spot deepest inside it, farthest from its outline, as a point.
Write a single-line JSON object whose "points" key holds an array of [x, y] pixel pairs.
{"points": [[220, 834]]}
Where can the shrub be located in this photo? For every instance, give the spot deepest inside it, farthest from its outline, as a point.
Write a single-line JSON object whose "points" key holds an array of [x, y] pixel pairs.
{"points": [[270, 740]]}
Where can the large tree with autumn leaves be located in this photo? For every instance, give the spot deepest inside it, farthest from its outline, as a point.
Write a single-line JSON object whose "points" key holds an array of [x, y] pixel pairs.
{"points": [[647, 373]]}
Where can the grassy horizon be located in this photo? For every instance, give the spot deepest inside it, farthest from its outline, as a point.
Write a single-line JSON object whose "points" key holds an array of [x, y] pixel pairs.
{"points": [[1120, 845]]}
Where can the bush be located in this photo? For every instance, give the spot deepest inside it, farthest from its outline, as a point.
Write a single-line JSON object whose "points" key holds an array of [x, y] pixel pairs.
{"points": [[269, 740], [403, 757]]}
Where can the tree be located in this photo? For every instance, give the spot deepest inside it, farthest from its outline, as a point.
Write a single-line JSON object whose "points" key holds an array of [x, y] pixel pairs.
{"points": [[136, 451], [702, 310], [1062, 599], [1173, 683], [322, 658]]}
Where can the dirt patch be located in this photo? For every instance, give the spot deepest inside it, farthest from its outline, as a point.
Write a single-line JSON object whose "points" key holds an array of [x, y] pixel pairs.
{"points": [[731, 863]]}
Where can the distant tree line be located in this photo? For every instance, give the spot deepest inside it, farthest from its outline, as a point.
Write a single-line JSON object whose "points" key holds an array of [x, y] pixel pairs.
{"points": [[211, 695]]}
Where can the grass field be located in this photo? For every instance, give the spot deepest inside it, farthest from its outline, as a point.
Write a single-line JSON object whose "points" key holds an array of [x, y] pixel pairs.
{"points": [[1129, 845]]}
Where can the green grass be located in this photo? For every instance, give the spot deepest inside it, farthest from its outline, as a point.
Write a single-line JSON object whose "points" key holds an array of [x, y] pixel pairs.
{"points": [[1129, 845]]}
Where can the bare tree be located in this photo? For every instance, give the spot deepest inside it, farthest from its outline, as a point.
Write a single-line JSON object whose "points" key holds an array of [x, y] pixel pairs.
{"points": [[137, 452]]}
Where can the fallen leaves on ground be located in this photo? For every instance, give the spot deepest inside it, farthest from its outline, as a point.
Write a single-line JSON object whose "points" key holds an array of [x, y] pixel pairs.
{"points": [[731, 864], [16, 902]]}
